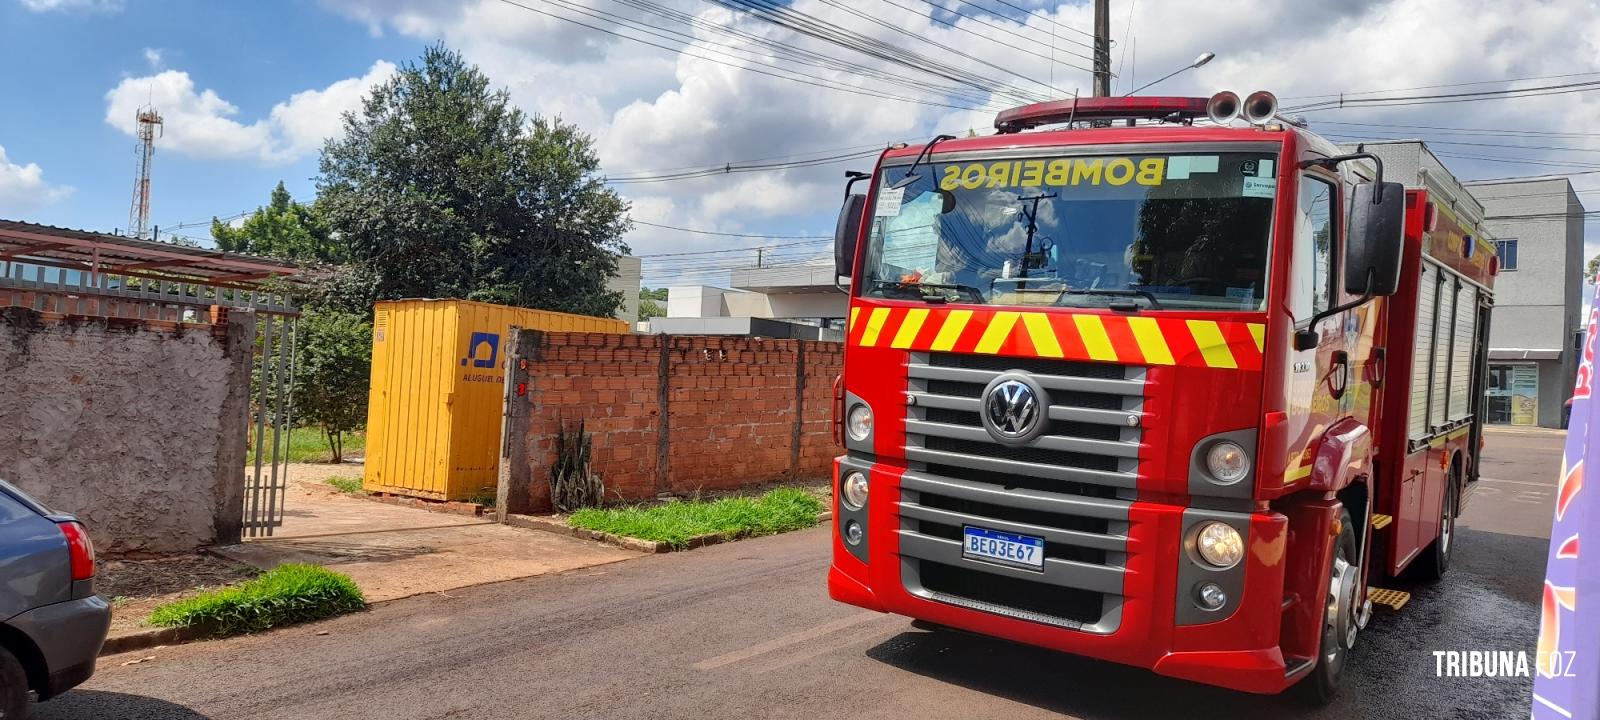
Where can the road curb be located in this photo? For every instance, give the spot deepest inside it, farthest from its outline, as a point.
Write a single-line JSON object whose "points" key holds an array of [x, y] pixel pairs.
{"points": [[146, 639], [551, 525]]}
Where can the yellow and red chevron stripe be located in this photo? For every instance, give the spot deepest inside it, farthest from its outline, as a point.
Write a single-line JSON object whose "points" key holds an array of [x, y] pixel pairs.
{"points": [[1135, 340]]}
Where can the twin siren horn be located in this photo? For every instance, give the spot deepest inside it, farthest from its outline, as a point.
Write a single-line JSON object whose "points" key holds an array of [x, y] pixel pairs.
{"points": [[1257, 109]]}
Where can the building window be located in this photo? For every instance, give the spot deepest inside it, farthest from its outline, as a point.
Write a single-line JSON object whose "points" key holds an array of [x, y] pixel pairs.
{"points": [[1314, 238], [1507, 250]]}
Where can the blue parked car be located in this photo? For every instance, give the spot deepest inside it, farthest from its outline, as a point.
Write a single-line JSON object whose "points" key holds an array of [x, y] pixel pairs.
{"points": [[54, 623]]}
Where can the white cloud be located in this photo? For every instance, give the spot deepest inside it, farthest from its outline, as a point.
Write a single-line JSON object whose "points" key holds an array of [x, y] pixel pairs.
{"points": [[23, 187], [199, 123], [153, 57], [650, 109], [73, 5]]}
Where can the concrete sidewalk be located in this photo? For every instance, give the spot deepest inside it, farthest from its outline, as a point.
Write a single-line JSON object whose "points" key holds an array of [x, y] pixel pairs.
{"points": [[393, 551]]}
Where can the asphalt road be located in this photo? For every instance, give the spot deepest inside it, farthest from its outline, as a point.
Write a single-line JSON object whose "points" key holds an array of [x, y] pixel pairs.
{"points": [[746, 630]]}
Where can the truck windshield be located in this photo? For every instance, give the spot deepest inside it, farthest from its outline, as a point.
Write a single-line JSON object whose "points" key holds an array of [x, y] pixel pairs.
{"points": [[1162, 231]]}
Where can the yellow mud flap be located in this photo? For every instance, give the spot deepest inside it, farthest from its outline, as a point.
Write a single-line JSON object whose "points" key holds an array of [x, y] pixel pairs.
{"points": [[1393, 599], [1380, 522]]}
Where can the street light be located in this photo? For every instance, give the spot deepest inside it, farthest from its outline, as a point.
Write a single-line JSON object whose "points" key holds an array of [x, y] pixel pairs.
{"points": [[1204, 58]]}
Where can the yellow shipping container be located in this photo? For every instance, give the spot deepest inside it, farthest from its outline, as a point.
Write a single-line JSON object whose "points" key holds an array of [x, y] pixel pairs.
{"points": [[438, 376]]}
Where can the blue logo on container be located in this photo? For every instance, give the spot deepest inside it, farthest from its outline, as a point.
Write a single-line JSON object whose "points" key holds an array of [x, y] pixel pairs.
{"points": [[480, 339]]}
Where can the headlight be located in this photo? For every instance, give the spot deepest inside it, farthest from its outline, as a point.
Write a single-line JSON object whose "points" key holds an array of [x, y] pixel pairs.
{"points": [[1227, 462], [859, 424], [1219, 544], [853, 491]]}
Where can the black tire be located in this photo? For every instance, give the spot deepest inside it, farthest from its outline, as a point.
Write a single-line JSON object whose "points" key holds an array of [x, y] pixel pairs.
{"points": [[13, 687], [1436, 560], [1338, 636]]}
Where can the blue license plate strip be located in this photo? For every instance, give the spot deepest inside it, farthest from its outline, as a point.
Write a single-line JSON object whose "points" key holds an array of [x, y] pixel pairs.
{"points": [[1002, 548]]}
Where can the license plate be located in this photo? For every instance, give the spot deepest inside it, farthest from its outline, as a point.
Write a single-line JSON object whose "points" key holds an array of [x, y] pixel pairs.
{"points": [[1004, 548]]}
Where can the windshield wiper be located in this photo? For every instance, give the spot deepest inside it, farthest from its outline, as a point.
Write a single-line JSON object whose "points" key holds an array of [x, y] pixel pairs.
{"points": [[975, 294], [1113, 292]]}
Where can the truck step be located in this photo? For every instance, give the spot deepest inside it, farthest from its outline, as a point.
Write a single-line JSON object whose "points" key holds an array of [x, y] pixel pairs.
{"points": [[1380, 522], [1393, 599]]}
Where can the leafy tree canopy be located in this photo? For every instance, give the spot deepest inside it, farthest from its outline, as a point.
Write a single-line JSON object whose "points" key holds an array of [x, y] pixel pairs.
{"points": [[440, 188], [283, 229]]}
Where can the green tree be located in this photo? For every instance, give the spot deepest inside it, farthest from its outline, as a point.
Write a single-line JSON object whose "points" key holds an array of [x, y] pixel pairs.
{"points": [[658, 294], [282, 229], [440, 188], [650, 309], [1594, 267], [331, 372]]}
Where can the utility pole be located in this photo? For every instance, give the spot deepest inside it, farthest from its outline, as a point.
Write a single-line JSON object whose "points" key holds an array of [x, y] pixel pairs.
{"points": [[1102, 48], [1032, 213]]}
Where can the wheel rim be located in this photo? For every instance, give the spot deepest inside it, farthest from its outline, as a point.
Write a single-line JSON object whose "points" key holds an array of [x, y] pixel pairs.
{"points": [[1340, 627]]}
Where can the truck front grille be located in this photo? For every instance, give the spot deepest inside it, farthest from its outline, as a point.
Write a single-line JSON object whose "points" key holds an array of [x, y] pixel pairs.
{"points": [[1071, 486]]}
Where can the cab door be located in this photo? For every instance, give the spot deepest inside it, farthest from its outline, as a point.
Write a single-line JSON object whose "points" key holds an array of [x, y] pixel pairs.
{"points": [[1321, 378]]}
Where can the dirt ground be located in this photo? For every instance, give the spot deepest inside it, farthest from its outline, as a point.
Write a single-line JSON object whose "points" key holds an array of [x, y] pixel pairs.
{"points": [[136, 587]]}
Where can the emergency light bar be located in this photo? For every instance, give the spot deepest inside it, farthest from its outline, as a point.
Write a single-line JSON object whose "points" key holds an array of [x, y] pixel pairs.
{"points": [[1178, 109]]}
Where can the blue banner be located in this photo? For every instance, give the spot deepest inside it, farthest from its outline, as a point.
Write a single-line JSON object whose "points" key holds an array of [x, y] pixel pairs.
{"points": [[1567, 684]]}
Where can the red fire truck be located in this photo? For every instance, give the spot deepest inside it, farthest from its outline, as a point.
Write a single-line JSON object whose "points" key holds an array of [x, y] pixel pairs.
{"points": [[1171, 382]]}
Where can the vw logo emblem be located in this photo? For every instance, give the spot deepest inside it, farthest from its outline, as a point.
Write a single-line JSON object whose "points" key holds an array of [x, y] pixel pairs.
{"points": [[1012, 408]]}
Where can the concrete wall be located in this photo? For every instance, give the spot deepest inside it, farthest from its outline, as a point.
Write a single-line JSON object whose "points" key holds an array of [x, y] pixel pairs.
{"points": [[1537, 304], [673, 414], [138, 428], [626, 281]]}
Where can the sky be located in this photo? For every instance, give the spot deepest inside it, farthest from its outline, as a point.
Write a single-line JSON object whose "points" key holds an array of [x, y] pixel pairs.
{"points": [[250, 92]]}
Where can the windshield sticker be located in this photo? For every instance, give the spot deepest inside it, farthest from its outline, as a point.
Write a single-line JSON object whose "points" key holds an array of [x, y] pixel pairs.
{"points": [[1255, 187], [1056, 173], [910, 237], [889, 202], [1179, 167]]}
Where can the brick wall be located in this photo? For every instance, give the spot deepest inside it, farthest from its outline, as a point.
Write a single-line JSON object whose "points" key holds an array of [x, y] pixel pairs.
{"points": [[732, 412]]}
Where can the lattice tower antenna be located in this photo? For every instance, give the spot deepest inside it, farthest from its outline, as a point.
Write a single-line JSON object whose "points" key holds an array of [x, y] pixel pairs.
{"points": [[149, 128]]}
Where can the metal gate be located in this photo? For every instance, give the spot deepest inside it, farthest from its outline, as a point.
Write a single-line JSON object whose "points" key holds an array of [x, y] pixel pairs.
{"points": [[271, 417]]}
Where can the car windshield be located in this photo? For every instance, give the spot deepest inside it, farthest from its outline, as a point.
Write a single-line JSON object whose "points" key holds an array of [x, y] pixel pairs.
{"points": [[1161, 231]]}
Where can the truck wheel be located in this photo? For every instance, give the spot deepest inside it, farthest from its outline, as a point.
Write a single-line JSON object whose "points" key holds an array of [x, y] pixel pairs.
{"points": [[1339, 625], [1433, 564], [13, 687]]}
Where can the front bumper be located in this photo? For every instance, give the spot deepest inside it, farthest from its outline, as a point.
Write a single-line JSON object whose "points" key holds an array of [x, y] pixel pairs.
{"points": [[1143, 622], [69, 635]]}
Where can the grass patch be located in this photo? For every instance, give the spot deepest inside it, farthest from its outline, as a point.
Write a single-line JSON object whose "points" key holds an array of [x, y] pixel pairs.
{"points": [[285, 595], [346, 484], [308, 445], [675, 523]]}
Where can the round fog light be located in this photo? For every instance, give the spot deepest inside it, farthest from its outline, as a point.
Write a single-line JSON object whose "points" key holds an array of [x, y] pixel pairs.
{"points": [[1227, 462], [1219, 544], [853, 491], [853, 532], [1211, 596], [859, 423]]}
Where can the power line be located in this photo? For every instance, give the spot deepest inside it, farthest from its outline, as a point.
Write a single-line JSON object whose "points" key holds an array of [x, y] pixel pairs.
{"points": [[1497, 132], [727, 234], [931, 16], [730, 169], [1407, 100], [1436, 87], [1045, 18], [804, 79]]}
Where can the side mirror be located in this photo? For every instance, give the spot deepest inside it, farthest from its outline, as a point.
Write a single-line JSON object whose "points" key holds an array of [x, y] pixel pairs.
{"points": [[1374, 243], [845, 234]]}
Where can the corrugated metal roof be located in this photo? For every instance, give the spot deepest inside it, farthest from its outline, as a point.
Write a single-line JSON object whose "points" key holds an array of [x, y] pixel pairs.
{"points": [[86, 250]]}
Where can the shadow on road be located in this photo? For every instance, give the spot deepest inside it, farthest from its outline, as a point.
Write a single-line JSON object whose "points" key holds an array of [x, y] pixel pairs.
{"points": [[79, 704], [1487, 602]]}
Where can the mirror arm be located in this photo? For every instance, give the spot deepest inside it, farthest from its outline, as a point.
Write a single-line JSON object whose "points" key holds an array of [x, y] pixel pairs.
{"points": [[1308, 338], [1333, 162], [851, 178]]}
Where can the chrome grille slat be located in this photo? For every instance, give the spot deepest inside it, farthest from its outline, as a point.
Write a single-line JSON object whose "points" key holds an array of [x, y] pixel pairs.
{"points": [[1046, 442], [1018, 467], [1049, 382], [1063, 573], [1114, 543], [1064, 504]]}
